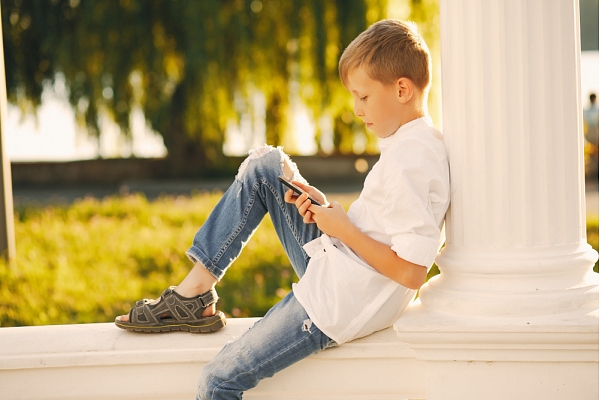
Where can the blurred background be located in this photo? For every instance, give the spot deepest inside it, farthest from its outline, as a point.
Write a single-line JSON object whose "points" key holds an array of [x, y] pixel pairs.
{"points": [[127, 118], [193, 81], [197, 82]]}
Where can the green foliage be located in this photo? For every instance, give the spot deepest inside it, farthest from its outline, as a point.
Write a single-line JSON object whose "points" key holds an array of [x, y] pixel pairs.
{"points": [[193, 66], [90, 261]]}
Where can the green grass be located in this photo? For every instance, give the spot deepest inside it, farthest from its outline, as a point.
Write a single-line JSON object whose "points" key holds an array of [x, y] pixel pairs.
{"points": [[90, 261]]}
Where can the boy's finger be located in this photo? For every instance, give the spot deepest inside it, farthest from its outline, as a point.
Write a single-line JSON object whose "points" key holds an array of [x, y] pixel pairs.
{"points": [[301, 185], [308, 218], [334, 204], [315, 209], [289, 196], [303, 208], [301, 199]]}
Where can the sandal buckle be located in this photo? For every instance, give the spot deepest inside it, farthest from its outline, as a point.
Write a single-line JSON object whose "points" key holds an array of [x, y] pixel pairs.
{"points": [[208, 298]]}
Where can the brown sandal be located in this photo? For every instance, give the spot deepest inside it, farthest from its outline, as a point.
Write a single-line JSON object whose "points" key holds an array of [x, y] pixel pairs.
{"points": [[174, 312]]}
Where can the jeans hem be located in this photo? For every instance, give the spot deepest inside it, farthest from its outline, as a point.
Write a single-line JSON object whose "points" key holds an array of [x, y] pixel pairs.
{"points": [[196, 255]]}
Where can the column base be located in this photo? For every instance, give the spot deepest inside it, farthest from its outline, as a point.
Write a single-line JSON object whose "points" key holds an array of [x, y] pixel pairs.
{"points": [[475, 358]]}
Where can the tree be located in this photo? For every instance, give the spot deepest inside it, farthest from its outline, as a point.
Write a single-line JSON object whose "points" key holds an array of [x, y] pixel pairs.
{"points": [[191, 66]]}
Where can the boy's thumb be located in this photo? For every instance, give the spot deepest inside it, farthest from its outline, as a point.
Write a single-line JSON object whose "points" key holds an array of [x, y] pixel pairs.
{"points": [[334, 204]]}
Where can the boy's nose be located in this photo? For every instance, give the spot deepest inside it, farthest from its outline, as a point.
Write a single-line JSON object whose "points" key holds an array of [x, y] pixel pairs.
{"points": [[358, 110]]}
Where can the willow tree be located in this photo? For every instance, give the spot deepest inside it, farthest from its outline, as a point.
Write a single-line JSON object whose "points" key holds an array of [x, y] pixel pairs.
{"points": [[191, 66]]}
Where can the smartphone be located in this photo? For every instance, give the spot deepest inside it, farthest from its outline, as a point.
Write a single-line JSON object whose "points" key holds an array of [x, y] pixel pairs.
{"points": [[297, 190]]}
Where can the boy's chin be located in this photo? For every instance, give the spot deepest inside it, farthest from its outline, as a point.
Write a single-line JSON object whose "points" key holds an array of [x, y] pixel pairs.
{"points": [[385, 132], [383, 135]]}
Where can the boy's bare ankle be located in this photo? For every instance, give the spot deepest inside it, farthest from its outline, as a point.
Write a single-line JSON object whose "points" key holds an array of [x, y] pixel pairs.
{"points": [[198, 281], [187, 290]]}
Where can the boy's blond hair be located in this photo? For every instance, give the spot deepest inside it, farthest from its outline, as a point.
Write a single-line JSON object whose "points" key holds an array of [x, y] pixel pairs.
{"points": [[387, 51]]}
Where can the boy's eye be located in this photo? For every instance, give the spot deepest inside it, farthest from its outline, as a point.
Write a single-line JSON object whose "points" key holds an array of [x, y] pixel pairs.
{"points": [[363, 98]]}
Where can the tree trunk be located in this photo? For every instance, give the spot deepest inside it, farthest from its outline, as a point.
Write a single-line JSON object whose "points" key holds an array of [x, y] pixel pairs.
{"points": [[186, 157]]}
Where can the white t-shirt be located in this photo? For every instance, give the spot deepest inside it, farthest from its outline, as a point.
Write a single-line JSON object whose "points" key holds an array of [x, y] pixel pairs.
{"points": [[402, 204]]}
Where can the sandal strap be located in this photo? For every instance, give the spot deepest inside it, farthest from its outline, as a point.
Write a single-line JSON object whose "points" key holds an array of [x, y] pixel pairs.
{"points": [[209, 298], [172, 303], [206, 299]]}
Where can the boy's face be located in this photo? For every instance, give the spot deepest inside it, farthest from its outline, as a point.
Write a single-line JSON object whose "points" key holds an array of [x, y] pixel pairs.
{"points": [[378, 105]]}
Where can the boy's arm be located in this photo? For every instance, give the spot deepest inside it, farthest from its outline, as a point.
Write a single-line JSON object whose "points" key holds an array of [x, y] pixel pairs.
{"points": [[335, 222]]}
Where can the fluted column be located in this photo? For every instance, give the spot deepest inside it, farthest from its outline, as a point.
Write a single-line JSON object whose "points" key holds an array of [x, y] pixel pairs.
{"points": [[516, 258]]}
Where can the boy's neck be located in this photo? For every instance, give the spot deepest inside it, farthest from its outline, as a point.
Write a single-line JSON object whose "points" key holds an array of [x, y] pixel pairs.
{"points": [[415, 114], [416, 108]]}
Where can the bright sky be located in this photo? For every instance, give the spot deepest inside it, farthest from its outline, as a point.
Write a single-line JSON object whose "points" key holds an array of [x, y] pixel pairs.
{"points": [[55, 136]]}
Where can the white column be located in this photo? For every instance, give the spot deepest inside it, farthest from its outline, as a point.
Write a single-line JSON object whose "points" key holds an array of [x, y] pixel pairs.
{"points": [[516, 296]]}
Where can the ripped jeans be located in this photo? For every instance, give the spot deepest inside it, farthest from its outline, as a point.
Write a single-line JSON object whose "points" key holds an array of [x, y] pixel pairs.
{"points": [[285, 335]]}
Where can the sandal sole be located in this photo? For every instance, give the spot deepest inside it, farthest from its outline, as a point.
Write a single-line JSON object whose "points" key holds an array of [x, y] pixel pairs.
{"points": [[219, 322]]}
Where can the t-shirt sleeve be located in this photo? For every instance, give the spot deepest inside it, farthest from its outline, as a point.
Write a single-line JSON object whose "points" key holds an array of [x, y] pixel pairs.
{"points": [[415, 183]]}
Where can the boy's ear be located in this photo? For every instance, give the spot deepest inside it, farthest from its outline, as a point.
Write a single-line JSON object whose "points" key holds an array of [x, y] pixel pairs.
{"points": [[405, 89]]}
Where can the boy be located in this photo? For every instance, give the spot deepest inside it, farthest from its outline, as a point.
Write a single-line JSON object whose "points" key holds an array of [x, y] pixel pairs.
{"points": [[358, 269]]}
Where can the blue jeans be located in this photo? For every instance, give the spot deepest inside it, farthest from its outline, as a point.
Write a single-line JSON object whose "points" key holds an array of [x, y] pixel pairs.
{"points": [[285, 334]]}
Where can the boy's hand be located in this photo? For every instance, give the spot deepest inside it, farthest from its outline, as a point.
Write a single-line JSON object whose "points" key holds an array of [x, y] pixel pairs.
{"points": [[332, 220], [302, 202]]}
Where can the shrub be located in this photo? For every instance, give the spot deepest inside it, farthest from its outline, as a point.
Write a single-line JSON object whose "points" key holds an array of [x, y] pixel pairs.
{"points": [[90, 261]]}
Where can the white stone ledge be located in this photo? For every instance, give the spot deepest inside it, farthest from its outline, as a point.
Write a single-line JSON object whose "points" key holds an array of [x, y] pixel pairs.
{"points": [[99, 361]]}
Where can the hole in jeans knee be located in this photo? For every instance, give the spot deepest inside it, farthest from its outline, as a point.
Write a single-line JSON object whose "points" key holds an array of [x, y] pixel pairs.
{"points": [[254, 154], [289, 168]]}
